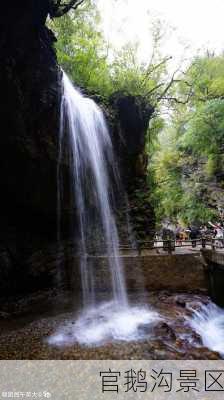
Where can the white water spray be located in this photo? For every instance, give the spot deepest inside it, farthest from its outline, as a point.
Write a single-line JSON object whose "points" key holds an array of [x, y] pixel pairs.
{"points": [[208, 322]]}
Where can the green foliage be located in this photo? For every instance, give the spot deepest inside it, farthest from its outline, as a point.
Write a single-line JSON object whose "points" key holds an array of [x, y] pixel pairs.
{"points": [[92, 63], [188, 161], [126, 71], [81, 49], [206, 74]]}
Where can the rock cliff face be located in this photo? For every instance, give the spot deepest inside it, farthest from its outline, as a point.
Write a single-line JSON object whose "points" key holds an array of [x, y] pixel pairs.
{"points": [[132, 115], [131, 123], [30, 83], [30, 88]]}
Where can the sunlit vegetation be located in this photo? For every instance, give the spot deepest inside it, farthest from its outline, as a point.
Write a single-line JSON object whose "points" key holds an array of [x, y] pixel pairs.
{"points": [[96, 65], [188, 161]]}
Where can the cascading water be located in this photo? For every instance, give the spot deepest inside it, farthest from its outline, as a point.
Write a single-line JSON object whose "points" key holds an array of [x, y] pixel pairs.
{"points": [[92, 165], [91, 152], [208, 322]]}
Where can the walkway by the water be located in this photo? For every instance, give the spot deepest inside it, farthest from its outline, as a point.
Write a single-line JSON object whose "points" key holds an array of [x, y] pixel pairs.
{"points": [[158, 250]]}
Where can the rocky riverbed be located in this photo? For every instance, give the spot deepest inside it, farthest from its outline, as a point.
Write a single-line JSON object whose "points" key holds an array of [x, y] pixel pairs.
{"points": [[26, 324]]}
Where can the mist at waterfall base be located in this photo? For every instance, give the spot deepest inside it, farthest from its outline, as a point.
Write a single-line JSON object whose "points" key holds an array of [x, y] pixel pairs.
{"points": [[92, 166], [208, 322]]}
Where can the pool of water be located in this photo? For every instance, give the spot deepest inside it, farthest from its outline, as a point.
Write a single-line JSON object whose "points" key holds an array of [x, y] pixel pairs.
{"points": [[160, 326]]}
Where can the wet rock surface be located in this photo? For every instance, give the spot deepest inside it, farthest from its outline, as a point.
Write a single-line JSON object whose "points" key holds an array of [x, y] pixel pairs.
{"points": [[24, 332]]}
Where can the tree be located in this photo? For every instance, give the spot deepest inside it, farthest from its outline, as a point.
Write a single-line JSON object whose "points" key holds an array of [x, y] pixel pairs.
{"points": [[82, 50], [188, 162], [58, 8], [93, 63]]}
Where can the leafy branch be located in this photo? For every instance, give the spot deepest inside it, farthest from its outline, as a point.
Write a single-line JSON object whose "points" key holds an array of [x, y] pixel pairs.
{"points": [[59, 7]]}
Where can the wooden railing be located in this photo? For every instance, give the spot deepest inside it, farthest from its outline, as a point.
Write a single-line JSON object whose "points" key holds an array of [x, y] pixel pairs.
{"points": [[171, 245]]}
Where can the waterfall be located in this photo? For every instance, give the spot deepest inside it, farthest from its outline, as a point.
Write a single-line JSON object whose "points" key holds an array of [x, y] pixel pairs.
{"points": [[93, 169], [91, 158]]}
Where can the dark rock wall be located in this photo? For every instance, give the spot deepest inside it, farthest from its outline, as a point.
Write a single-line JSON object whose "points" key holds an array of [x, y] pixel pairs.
{"points": [[29, 84], [30, 91], [131, 123], [214, 264], [29, 113], [132, 115]]}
